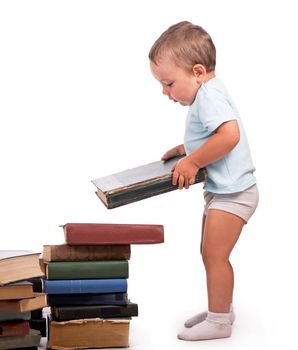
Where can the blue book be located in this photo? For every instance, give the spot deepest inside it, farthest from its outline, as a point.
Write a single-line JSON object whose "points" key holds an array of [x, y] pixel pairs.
{"points": [[116, 285]]}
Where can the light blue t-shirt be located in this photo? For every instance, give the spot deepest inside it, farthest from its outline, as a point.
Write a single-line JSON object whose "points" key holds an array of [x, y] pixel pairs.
{"points": [[212, 107]]}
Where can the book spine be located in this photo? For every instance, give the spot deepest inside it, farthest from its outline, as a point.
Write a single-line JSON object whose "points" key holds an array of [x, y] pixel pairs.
{"points": [[87, 269], [87, 299], [64, 252], [116, 285], [15, 328], [102, 311], [102, 234], [14, 316]]}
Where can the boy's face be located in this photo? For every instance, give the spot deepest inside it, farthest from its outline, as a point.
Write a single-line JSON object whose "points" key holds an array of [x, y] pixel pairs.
{"points": [[178, 84]]}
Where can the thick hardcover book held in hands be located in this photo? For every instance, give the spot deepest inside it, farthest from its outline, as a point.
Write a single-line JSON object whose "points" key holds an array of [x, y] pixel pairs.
{"points": [[139, 183]]}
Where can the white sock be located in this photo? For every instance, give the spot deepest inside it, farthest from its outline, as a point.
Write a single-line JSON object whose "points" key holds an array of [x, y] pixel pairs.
{"points": [[215, 326], [198, 318]]}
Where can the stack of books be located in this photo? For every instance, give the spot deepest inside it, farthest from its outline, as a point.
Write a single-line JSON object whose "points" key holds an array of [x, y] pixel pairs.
{"points": [[86, 283], [21, 302]]}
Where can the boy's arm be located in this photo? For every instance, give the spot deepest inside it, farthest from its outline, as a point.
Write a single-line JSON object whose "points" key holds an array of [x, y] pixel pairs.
{"points": [[224, 139]]}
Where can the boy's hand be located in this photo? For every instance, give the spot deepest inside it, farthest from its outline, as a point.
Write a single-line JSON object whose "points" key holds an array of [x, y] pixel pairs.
{"points": [[174, 152], [184, 173]]}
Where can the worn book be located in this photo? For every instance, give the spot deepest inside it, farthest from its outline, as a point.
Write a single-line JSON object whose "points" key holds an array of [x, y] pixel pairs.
{"points": [[22, 305], [113, 285], [87, 299], [106, 233], [87, 269], [66, 252], [30, 340], [14, 316], [18, 265], [64, 313], [139, 183], [88, 333], [17, 290], [14, 328]]}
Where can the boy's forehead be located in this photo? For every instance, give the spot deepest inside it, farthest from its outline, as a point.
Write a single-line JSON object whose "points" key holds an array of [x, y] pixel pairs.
{"points": [[163, 70]]}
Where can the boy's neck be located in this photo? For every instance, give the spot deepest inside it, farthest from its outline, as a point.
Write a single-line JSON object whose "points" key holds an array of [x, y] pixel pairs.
{"points": [[209, 76]]}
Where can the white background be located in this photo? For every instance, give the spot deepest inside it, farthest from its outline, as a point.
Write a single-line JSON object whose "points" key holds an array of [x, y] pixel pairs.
{"points": [[77, 101]]}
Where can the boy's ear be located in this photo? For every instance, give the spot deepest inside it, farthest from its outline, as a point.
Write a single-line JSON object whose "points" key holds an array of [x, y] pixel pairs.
{"points": [[199, 71]]}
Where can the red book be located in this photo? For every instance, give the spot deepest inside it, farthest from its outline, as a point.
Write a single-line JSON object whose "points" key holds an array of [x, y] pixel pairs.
{"points": [[100, 234], [15, 328]]}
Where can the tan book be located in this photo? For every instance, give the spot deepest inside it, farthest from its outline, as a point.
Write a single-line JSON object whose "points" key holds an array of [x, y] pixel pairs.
{"points": [[65, 252], [88, 333], [22, 305], [18, 265], [17, 290]]}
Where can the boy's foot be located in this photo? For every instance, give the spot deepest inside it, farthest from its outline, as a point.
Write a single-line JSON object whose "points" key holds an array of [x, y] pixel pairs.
{"points": [[202, 317], [215, 326]]}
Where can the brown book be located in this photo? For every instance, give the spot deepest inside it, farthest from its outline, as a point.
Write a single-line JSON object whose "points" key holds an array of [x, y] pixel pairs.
{"points": [[18, 265], [17, 290], [14, 329], [65, 252], [100, 234], [88, 333], [22, 305]]}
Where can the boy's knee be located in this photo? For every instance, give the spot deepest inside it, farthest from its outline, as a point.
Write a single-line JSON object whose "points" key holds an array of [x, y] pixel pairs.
{"points": [[213, 258]]}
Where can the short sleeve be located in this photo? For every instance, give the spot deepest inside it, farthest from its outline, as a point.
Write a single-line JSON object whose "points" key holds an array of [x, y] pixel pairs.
{"points": [[214, 108]]}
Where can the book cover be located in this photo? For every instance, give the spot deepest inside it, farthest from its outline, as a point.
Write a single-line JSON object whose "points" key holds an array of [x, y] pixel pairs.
{"points": [[18, 265], [27, 341], [87, 299], [14, 329], [65, 252], [22, 305], [107, 233], [87, 269], [113, 285], [65, 313], [17, 290], [88, 333], [139, 183]]}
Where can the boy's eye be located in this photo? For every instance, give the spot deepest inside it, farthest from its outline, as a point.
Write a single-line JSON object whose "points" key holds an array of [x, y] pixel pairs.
{"points": [[169, 84]]}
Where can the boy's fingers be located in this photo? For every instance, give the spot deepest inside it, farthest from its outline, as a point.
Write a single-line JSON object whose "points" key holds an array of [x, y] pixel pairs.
{"points": [[181, 182], [186, 184], [192, 180], [175, 178]]}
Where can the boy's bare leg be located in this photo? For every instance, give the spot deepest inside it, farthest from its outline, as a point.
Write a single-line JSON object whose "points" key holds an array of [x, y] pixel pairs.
{"points": [[221, 232]]}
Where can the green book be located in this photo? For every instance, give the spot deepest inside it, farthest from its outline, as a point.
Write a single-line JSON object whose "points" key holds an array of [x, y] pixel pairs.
{"points": [[139, 183], [87, 269]]}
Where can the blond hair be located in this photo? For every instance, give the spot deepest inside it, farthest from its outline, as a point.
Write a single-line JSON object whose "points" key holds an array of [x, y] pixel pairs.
{"points": [[187, 44]]}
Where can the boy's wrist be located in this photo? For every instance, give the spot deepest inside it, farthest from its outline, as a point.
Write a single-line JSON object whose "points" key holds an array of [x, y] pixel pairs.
{"points": [[194, 160]]}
